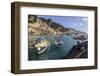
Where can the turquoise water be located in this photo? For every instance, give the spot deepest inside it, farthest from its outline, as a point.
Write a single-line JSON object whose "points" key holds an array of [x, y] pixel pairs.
{"points": [[53, 52]]}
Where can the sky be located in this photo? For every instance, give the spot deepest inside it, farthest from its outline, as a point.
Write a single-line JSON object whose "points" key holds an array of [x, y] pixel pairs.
{"points": [[76, 22]]}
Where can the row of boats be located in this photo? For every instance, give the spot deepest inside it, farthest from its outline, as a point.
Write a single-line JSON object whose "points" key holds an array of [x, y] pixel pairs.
{"points": [[80, 36]]}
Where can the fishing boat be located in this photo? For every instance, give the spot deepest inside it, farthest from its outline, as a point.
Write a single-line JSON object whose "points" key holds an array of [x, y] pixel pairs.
{"points": [[59, 41], [42, 45]]}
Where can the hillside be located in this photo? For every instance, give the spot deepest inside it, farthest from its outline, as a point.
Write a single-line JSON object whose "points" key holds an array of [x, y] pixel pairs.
{"points": [[39, 25]]}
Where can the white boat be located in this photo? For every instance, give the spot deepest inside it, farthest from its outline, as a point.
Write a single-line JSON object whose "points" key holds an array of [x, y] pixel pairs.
{"points": [[59, 41], [42, 45], [79, 36]]}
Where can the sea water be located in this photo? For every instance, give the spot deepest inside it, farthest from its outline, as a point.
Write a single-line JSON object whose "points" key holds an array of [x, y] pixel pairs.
{"points": [[53, 51]]}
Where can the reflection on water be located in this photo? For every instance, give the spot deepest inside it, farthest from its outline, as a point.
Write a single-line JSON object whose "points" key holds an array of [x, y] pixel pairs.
{"points": [[53, 52]]}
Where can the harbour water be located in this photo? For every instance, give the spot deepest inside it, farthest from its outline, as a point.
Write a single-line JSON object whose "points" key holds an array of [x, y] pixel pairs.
{"points": [[53, 51]]}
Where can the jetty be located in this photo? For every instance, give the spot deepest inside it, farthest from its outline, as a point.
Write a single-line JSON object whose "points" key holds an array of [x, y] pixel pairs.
{"points": [[78, 51]]}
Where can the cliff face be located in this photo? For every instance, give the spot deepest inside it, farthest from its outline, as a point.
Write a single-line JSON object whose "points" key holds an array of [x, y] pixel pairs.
{"points": [[38, 25]]}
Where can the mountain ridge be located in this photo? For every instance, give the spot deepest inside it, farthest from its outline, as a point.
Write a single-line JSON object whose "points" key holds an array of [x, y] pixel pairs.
{"points": [[39, 25]]}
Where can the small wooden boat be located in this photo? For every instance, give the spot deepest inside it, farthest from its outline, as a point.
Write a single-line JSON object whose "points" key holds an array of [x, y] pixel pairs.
{"points": [[42, 45], [59, 41]]}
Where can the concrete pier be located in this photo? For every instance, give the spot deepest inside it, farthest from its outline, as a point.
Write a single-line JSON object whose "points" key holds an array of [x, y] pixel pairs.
{"points": [[78, 51]]}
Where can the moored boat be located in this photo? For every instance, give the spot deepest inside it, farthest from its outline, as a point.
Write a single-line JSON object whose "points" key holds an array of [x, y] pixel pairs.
{"points": [[42, 45], [79, 36], [59, 41]]}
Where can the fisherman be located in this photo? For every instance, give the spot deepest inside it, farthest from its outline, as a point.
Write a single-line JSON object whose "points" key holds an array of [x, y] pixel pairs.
{"points": [[78, 42]]}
